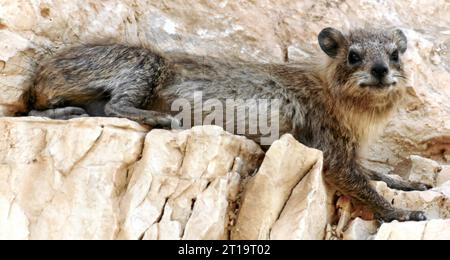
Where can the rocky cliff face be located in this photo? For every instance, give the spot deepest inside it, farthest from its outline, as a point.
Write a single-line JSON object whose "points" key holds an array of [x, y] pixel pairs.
{"points": [[110, 179], [106, 178]]}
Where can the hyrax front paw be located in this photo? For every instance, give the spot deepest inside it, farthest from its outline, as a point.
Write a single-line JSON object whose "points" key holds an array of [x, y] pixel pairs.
{"points": [[403, 215], [417, 186], [176, 123], [417, 216], [167, 122]]}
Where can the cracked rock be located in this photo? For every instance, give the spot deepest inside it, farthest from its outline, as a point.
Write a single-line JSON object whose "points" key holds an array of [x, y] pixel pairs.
{"points": [[188, 178], [360, 229], [438, 229], [63, 180], [287, 199], [424, 170]]}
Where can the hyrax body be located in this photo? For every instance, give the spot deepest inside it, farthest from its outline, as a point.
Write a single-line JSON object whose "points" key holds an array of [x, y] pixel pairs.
{"points": [[332, 103]]}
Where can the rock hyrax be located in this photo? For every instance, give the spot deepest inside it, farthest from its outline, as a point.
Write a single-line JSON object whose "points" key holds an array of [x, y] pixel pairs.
{"points": [[333, 102]]}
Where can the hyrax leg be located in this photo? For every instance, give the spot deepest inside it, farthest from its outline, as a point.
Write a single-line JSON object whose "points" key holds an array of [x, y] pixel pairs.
{"points": [[63, 113], [126, 105], [355, 184], [395, 183]]}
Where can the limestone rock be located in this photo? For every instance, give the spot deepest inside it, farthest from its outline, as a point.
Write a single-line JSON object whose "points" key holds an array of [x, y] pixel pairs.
{"points": [[424, 170], [184, 185], [281, 199], [360, 230], [107, 178], [63, 180], [443, 176], [306, 213], [429, 230], [96, 179]]}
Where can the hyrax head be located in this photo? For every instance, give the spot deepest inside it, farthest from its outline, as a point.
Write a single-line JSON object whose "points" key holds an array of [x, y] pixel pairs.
{"points": [[365, 62]]}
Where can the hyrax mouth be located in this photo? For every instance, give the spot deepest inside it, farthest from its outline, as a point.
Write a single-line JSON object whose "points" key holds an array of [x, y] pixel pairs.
{"points": [[379, 85]]}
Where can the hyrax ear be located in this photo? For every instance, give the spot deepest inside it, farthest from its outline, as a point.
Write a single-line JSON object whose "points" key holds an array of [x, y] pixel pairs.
{"points": [[400, 39], [331, 41]]}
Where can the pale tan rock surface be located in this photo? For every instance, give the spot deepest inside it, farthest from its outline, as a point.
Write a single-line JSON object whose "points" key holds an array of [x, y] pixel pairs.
{"points": [[424, 170], [444, 175], [185, 184], [64, 180], [108, 179], [428, 230], [360, 229], [307, 211], [280, 202], [97, 179]]}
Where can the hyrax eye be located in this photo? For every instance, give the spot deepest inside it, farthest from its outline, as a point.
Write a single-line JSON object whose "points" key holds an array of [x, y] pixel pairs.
{"points": [[395, 56], [354, 58]]}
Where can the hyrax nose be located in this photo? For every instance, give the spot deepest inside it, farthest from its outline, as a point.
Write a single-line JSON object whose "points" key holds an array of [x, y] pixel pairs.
{"points": [[379, 70]]}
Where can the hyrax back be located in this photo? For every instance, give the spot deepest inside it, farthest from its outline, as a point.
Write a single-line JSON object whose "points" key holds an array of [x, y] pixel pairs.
{"points": [[332, 103]]}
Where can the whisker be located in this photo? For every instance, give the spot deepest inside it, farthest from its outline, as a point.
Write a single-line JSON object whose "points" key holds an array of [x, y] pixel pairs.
{"points": [[400, 76], [357, 77]]}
